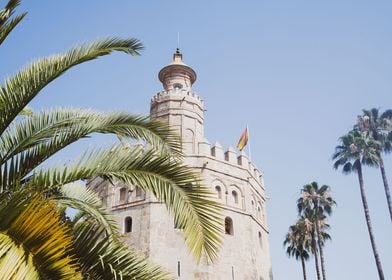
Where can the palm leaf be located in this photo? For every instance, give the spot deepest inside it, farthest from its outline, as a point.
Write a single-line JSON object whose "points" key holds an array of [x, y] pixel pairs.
{"points": [[21, 88], [34, 244], [170, 181], [102, 258], [27, 143], [87, 202], [6, 29]]}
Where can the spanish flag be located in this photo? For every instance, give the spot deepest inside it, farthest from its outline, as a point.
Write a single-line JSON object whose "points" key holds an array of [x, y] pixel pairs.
{"points": [[243, 140]]}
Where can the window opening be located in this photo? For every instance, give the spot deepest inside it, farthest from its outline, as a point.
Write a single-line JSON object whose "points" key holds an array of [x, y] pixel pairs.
{"points": [[128, 224], [123, 195], [219, 191], [235, 196], [229, 226]]}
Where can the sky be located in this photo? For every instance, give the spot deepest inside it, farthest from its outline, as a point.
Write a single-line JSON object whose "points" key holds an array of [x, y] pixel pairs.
{"points": [[296, 72]]}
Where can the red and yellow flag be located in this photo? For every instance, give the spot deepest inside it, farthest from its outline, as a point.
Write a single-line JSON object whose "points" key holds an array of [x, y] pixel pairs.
{"points": [[243, 140]]}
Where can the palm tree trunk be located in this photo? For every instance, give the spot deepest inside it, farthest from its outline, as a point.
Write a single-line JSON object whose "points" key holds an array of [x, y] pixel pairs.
{"points": [[369, 225], [386, 187], [316, 257], [303, 267], [320, 246]]}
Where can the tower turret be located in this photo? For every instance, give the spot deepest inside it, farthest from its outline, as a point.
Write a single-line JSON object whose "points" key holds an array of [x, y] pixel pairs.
{"points": [[178, 105]]}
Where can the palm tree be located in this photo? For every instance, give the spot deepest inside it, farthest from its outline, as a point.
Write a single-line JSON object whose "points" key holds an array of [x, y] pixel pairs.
{"points": [[356, 149], [90, 246], [298, 242], [380, 128], [315, 203]]}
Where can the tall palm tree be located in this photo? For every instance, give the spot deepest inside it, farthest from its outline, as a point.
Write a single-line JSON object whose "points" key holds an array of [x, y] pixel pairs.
{"points": [[380, 128], [298, 242], [354, 150], [315, 203], [90, 240]]}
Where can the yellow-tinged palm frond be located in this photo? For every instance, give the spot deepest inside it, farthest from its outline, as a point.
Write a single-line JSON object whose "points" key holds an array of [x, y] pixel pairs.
{"points": [[169, 180], [21, 88], [103, 258], [34, 242]]}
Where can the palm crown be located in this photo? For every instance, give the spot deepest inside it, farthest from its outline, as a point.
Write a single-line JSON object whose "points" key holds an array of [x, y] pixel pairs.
{"points": [[356, 148], [298, 240], [379, 126]]}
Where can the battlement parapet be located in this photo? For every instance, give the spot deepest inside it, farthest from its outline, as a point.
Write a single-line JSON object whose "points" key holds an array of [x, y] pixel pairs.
{"points": [[180, 93], [230, 155]]}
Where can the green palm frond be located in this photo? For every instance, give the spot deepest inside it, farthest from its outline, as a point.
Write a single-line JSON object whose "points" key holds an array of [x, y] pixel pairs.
{"points": [[8, 10], [21, 88], [102, 258], [7, 24], [27, 143], [34, 243], [170, 181], [6, 29], [89, 204]]}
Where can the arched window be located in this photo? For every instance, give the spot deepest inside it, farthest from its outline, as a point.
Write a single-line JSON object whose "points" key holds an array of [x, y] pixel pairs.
{"points": [[253, 206], [258, 212], [123, 195], [219, 191], [235, 197], [128, 224], [229, 226], [189, 140], [260, 240], [138, 192]]}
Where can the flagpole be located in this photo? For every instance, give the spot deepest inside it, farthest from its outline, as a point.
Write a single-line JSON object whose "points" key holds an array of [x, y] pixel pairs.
{"points": [[249, 150]]}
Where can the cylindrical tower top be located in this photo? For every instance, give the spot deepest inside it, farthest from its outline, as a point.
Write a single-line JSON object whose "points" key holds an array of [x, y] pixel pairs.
{"points": [[177, 75]]}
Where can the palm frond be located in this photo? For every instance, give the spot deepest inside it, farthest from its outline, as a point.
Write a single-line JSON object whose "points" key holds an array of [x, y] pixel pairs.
{"points": [[34, 242], [20, 89], [87, 202], [8, 11], [7, 27], [102, 258], [171, 182], [30, 141]]}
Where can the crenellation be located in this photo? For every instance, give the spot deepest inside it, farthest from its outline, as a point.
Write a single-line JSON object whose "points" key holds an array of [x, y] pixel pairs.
{"points": [[204, 148], [231, 155], [242, 160], [217, 151], [176, 92]]}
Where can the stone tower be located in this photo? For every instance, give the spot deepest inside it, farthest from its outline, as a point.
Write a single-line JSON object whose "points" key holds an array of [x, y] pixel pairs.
{"points": [[236, 181]]}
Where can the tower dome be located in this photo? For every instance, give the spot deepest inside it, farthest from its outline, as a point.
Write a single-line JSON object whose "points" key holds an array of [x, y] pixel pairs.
{"points": [[177, 75]]}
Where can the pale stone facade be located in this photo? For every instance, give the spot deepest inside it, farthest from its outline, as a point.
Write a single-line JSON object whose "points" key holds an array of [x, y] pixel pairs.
{"points": [[238, 185]]}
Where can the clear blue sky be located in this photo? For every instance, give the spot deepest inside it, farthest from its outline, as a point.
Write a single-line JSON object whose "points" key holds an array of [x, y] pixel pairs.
{"points": [[297, 72]]}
